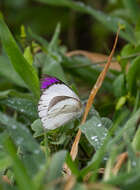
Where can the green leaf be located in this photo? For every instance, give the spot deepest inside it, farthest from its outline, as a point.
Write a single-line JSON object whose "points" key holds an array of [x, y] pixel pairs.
{"points": [[5, 160], [4, 94], [52, 61], [22, 178], [72, 65], [54, 42], [7, 70], [121, 102], [39, 39], [96, 160], [56, 166], [52, 65], [6, 186], [80, 186], [37, 128], [128, 129], [95, 131], [128, 49], [124, 179], [32, 155], [16, 94], [28, 55], [136, 104], [133, 75], [133, 9], [21, 66], [136, 141], [22, 105], [72, 165], [107, 123], [119, 86], [137, 31], [109, 21]]}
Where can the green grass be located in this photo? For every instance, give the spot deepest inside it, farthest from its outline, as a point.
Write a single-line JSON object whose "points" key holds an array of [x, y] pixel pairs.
{"points": [[32, 158]]}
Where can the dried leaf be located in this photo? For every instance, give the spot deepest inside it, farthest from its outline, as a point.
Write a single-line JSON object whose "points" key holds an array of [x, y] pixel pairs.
{"points": [[97, 58]]}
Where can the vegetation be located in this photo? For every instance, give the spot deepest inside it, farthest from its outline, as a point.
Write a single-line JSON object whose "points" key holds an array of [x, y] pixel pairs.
{"points": [[109, 148]]}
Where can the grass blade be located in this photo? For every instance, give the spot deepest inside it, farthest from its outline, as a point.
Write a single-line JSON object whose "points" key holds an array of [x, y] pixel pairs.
{"points": [[22, 178], [32, 155], [21, 66]]}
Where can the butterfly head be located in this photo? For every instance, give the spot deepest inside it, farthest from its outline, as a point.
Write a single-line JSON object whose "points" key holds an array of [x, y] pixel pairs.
{"points": [[47, 81]]}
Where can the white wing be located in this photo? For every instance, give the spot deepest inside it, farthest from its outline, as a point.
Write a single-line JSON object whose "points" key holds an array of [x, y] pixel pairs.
{"points": [[58, 104]]}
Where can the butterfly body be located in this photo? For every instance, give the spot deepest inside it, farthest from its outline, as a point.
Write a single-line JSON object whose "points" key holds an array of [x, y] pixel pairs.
{"points": [[58, 104]]}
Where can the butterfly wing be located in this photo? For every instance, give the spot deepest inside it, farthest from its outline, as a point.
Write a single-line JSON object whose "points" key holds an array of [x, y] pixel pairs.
{"points": [[58, 103]]}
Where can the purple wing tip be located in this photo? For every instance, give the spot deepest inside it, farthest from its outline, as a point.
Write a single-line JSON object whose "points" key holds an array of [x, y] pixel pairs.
{"points": [[48, 81]]}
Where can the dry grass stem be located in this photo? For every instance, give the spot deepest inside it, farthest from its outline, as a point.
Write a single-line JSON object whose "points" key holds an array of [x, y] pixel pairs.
{"points": [[96, 87], [6, 179], [71, 180], [121, 160]]}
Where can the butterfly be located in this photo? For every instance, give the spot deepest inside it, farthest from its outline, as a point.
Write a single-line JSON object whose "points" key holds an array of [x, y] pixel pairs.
{"points": [[58, 103]]}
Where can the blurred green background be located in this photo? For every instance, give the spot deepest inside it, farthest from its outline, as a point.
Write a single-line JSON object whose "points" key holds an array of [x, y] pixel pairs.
{"points": [[79, 30]]}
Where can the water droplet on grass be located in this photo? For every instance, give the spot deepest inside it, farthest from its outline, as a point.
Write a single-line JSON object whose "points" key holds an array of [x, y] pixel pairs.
{"points": [[105, 158], [81, 4], [14, 126], [108, 18], [36, 151], [19, 140], [95, 138], [99, 125], [134, 163]]}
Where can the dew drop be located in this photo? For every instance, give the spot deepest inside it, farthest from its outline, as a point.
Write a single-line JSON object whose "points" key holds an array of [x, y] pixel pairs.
{"points": [[84, 130], [99, 125], [105, 158], [81, 4], [95, 138], [102, 138], [11, 101], [133, 163], [14, 127], [19, 140], [108, 18], [36, 151]]}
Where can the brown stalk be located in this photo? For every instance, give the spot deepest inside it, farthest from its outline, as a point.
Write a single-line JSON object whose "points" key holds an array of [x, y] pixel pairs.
{"points": [[6, 179], [96, 87], [120, 161], [71, 180]]}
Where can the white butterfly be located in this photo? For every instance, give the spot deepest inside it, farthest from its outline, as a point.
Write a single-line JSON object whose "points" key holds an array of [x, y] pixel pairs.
{"points": [[58, 104]]}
